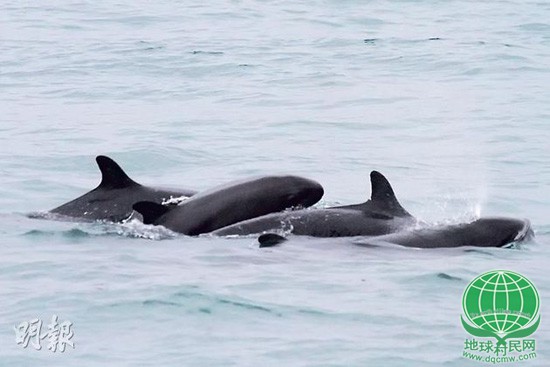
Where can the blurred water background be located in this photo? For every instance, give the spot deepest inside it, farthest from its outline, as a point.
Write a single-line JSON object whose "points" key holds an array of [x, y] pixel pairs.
{"points": [[448, 99]]}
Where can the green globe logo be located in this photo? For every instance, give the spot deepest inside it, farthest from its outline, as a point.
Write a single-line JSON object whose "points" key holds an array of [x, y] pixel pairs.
{"points": [[501, 304]]}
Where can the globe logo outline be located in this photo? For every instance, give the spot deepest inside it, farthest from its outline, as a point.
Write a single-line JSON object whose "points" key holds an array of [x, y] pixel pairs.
{"points": [[501, 302]]}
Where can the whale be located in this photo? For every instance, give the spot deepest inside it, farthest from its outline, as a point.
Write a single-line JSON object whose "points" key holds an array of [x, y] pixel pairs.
{"points": [[381, 214], [113, 198], [483, 232], [234, 202]]}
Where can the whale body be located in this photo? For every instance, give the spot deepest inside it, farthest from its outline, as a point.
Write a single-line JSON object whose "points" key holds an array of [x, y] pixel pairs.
{"points": [[483, 232], [232, 203], [381, 214], [113, 198]]}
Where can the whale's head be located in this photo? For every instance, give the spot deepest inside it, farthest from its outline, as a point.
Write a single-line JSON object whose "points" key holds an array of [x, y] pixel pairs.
{"points": [[507, 230], [302, 192], [526, 232]]}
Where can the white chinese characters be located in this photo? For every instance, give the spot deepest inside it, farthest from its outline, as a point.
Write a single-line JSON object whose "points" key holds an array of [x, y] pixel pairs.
{"points": [[58, 335]]}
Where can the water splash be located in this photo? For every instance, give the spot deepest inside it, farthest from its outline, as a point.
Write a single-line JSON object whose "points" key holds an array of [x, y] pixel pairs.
{"points": [[136, 229], [174, 200]]}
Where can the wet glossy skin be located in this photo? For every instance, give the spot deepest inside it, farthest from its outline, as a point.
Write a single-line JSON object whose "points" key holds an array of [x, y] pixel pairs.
{"points": [[232, 203]]}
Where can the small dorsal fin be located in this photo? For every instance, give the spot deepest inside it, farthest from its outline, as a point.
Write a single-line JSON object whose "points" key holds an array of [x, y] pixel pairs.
{"points": [[151, 211], [112, 176], [383, 198]]}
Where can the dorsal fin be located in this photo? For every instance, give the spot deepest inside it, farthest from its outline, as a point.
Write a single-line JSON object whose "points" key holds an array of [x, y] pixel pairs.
{"points": [[382, 204], [383, 198], [112, 176], [151, 211]]}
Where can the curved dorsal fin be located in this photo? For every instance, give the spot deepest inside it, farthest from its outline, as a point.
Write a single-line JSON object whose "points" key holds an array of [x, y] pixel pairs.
{"points": [[150, 211], [383, 198], [382, 204], [112, 176]]}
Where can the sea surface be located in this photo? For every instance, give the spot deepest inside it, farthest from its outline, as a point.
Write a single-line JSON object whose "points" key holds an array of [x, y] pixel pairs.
{"points": [[448, 99]]}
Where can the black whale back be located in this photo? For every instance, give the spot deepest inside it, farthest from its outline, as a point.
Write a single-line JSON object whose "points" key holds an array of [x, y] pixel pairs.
{"points": [[113, 198]]}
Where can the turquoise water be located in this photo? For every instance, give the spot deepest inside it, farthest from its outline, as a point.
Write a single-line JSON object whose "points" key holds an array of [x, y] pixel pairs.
{"points": [[448, 99]]}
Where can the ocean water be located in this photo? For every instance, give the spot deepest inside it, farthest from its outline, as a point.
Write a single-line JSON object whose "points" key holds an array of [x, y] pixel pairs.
{"points": [[449, 99]]}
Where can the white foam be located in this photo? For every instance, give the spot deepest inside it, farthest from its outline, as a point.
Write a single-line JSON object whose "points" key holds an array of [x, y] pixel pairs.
{"points": [[175, 200], [132, 227]]}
